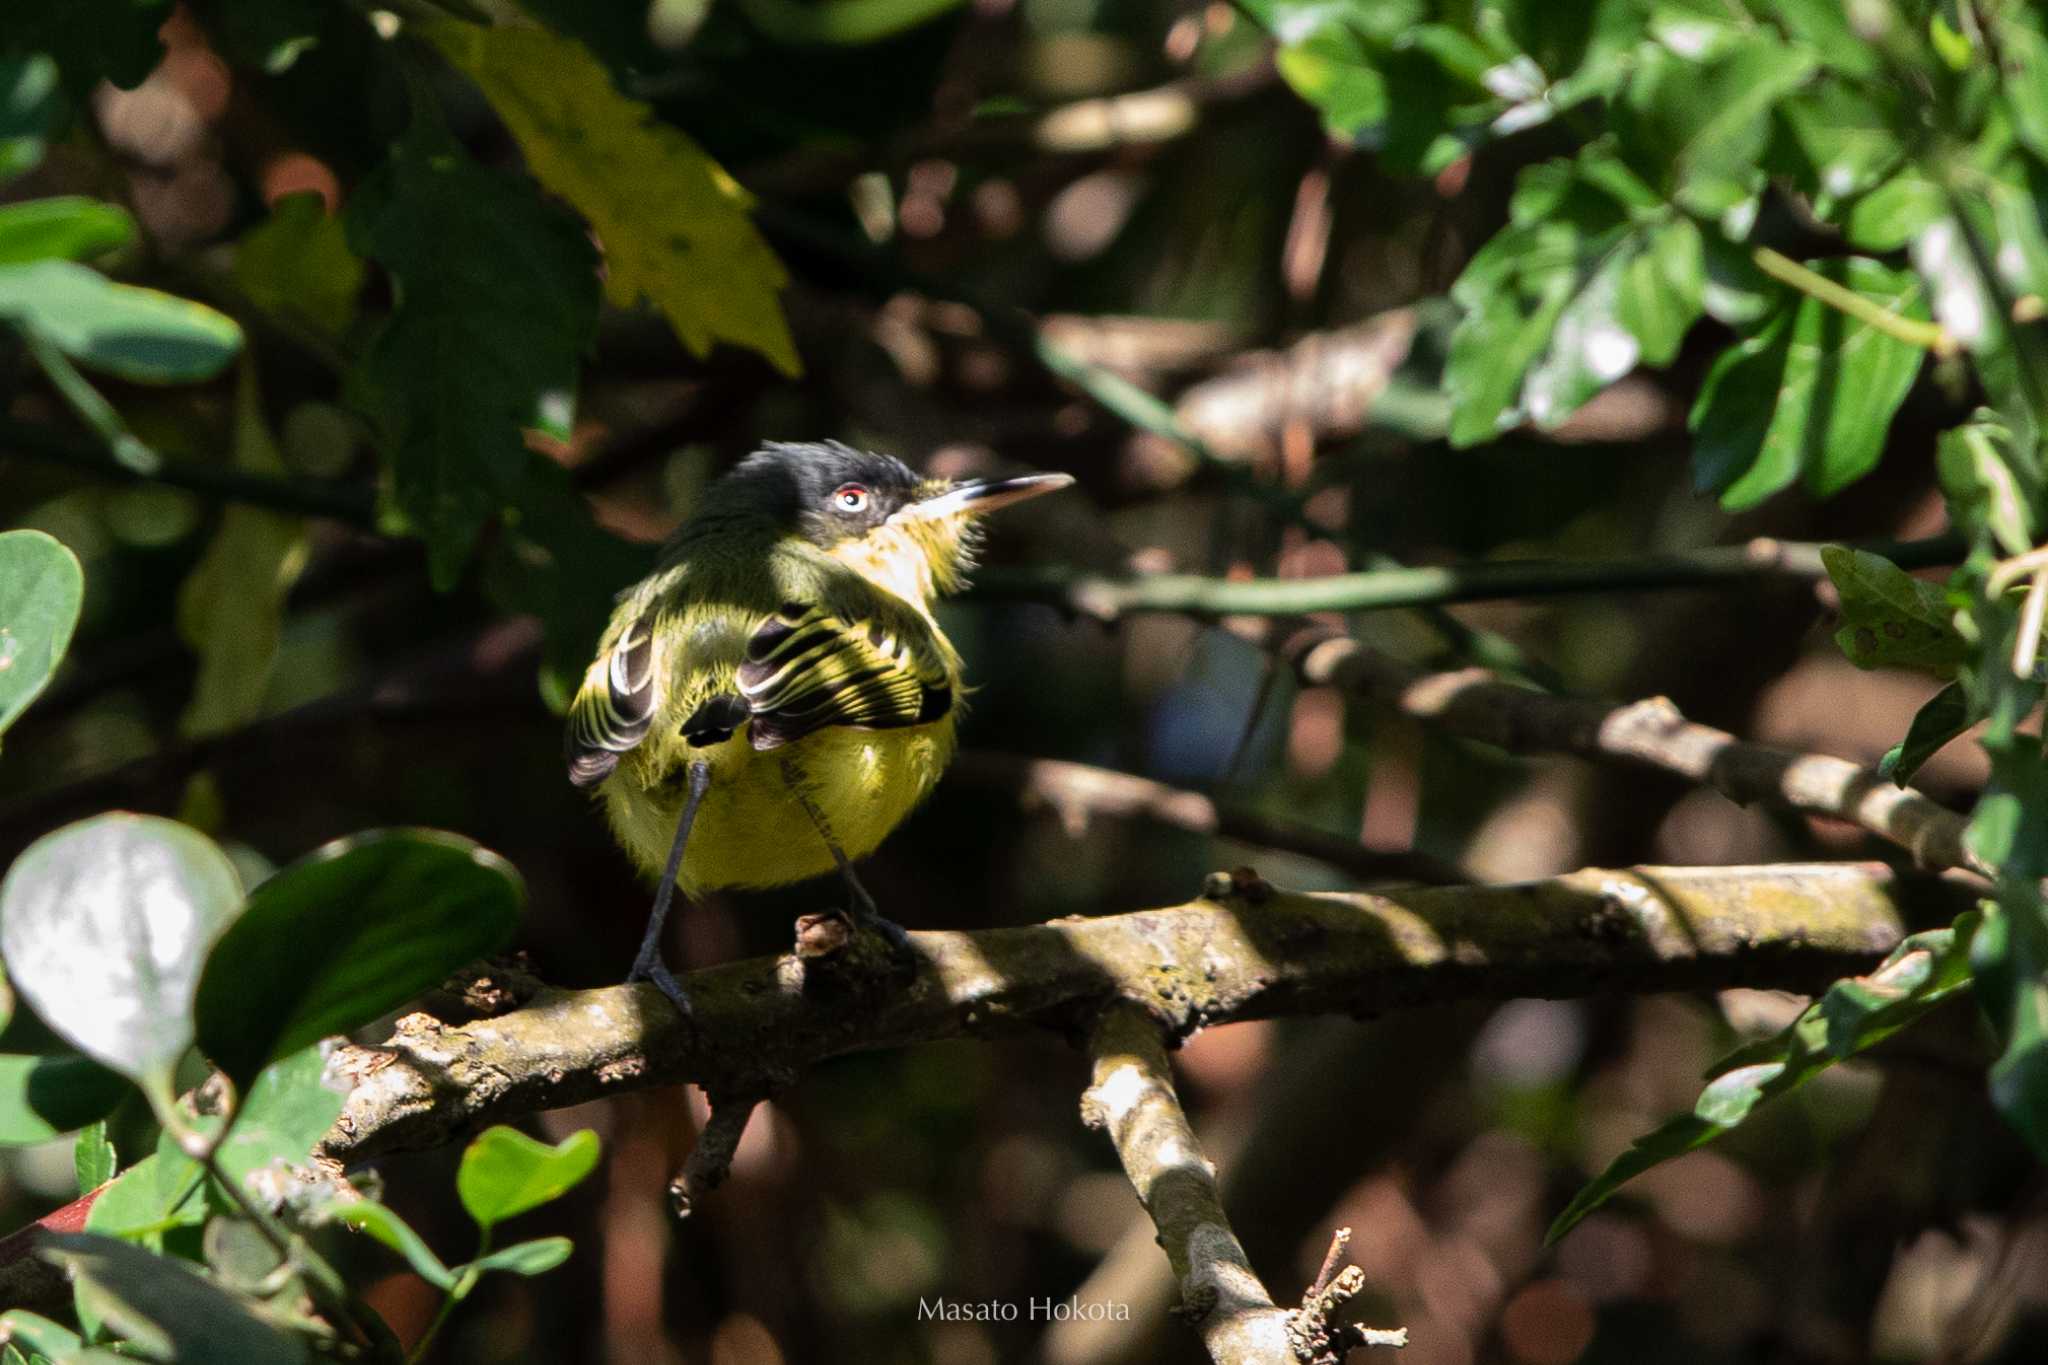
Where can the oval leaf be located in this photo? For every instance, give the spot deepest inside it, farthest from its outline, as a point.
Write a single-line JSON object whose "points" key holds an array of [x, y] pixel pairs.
{"points": [[143, 335], [167, 1308], [386, 1226], [104, 925], [69, 227], [44, 1097], [537, 1257], [41, 587], [504, 1172], [393, 912]]}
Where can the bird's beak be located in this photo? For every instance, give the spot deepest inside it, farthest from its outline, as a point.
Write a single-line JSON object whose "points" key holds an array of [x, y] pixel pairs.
{"points": [[985, 495]]}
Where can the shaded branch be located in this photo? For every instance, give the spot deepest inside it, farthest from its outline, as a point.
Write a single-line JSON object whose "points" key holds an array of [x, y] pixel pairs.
{"points": [[1652, 732], [760, 1023], [1109, 598], [1078, 792]]}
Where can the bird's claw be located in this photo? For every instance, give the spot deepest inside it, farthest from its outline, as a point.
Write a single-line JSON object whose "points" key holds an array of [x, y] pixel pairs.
{"points": [[652, 968]]}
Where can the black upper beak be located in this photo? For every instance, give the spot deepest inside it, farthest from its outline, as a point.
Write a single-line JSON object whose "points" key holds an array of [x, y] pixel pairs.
{"points": [[986, 495]]}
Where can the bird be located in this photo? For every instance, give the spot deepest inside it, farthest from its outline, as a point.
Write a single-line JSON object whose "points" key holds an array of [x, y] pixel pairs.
{"points": [[776, 697]]}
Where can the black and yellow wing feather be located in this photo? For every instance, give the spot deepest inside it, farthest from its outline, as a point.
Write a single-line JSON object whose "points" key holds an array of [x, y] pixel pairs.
{"points": [[807, 668], [615, 705]]}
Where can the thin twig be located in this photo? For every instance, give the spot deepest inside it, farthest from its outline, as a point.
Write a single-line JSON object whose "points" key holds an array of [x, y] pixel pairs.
{"points": [[710, 1161]]}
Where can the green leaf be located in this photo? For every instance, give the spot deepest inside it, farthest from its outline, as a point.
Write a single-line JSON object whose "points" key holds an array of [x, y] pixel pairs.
{"points": [[1945, 716], [1891, 619], [1698, 128], [132, 333], [231, 606], [1895, 212], [93, 1159], [675, 226], [497, 299], [92, 40], [1590, 278], [104, 925], [2010, 959], [1981, 478], [30, 107], [167, 1309], [504, 1172], [163, 1191], [1855, 1015], [384, 1224], [287, 1111], [41, 588], [536, 1257], [46, 1097], [69, 226], [1812, 393], [38, 1333], [297, 263], [2025, 85], [394, 912]]}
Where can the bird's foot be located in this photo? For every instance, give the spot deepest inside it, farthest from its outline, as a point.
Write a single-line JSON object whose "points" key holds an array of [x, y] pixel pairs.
{"points": [[650, 967]]}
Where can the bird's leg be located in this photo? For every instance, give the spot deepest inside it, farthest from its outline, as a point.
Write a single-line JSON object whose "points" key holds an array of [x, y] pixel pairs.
{"points": [[861, 906], [648, 966]]}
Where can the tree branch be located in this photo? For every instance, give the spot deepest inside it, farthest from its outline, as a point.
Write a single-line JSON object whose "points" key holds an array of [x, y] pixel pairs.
{"points": [[1109, 598], [1254, 954], [1476, 704]]}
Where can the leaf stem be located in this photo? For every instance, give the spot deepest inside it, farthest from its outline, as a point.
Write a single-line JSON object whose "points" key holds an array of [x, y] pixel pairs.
{"points": [[1931, 336]]}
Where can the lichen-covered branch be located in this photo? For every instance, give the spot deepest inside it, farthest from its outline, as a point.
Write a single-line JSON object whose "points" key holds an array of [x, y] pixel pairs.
{"points": [[1131, 1098], [1252, 954], [1478, 705]]}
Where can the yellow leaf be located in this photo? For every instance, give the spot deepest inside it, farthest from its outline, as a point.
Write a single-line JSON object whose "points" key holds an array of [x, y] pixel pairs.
{"points": [[231, 606], [673, 225]]}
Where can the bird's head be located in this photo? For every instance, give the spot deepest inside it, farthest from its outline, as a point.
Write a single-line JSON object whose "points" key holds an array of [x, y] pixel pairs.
{"points": [[912, 535]]}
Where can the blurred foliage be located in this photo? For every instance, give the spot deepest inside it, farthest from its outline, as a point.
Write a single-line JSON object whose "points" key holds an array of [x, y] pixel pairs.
{"points": [[359, 355]]}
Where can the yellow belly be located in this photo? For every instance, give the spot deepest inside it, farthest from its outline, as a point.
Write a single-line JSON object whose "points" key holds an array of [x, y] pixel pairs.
{"points": [[752, 832]]}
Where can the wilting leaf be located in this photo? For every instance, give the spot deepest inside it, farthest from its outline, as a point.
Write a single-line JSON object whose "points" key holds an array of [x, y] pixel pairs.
{"points": [[674, 226]]}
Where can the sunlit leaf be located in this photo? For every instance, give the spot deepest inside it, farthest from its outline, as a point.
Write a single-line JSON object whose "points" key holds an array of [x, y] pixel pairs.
{"points": [[1891, 619], [231, 606], [41, 588], [674, 226], [394, 912], [104, 925], [141, 335], [1812, 392], [384, 1224], [288, 1109], [164, 1191], [1854, 1015], [45, 1097], [69, 227], [93, 1159], [505, 1173]]}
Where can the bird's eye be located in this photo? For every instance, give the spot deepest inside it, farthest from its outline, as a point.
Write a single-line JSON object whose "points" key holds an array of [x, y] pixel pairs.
{"points": [[850, 497]]}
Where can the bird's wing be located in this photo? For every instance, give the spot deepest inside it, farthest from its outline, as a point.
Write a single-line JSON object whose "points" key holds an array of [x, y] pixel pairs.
{"points": [[810, 667], [615, 704]]}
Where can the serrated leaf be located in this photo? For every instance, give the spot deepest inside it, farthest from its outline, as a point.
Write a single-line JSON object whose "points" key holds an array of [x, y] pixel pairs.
{"points": [[1944, 716], [166, 1308], [384, 1224], [505, 1173], [497, 299], [41, 589], [674, 225], [142, 335], [536, 1257], [296, 263], [231, 606], [93, 1159], [46, 1097], [104, 925], [1854, 1015], [1812, 393], [394, 912], [68, 227], [1589, 279], [1891, 619]]}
